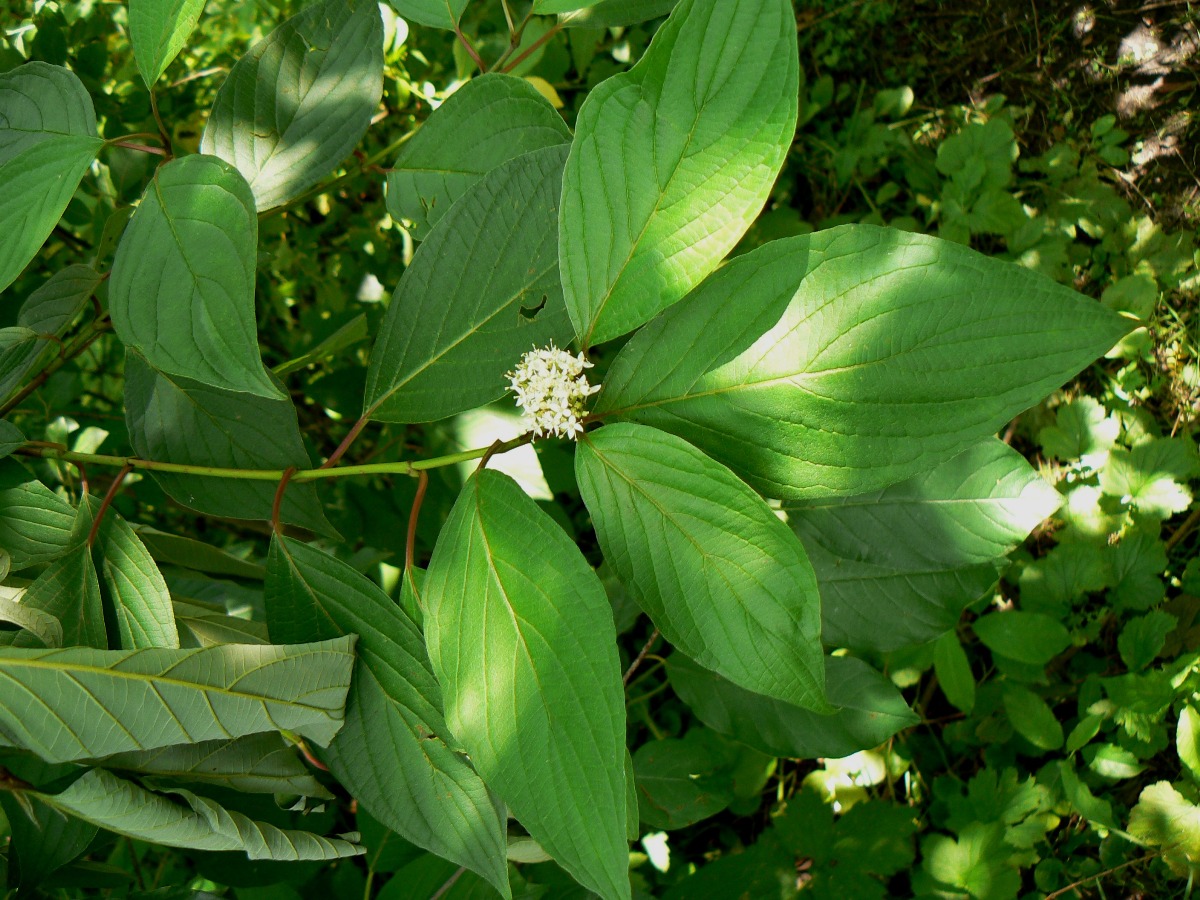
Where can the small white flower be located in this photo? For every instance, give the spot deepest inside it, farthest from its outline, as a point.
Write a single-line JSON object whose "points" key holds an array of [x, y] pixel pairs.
{"points": [[550, 387]]}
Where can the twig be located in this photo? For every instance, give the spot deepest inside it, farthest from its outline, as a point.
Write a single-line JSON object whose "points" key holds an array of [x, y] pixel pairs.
{"points": [[471, 51], [277, 504], [410, 541], [106, 503], [345, 444], [1099, 875], [533, 48], [1182, 531], [441, 892], [637, 662]]}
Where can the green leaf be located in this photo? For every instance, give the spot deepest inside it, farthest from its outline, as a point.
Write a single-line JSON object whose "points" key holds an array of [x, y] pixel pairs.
{"points": [[299, 101], [716, 570], [80, 703], [897, 567], [1032, 718], [10, 438], [1138, 563], [674, 159], [1187, 739], [846, 360], [488, 121], [521, 638], [35, 523], [1063, 576], [1027, 637], [39, 623], [178, 550], [1164, 818], [1153, 476], [617, 13], [549, 7], [47, 142], [869, 710], [1081, 797], [139, 594], [183, 819], [177, 420], [1082, 430], [348, 335], [480, 291], [158, 30], [434, 13], [680, 782], [977, 862], [1142, 639], [43, 839], [182, 286], [953, 671], [256, 764], [392, 753]]}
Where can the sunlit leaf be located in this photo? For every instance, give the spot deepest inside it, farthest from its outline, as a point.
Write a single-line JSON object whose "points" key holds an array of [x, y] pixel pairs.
{"points": [[158, 30]]}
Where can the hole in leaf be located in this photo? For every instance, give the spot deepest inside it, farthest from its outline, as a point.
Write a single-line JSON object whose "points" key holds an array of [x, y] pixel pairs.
{"points": [[529, 313]]}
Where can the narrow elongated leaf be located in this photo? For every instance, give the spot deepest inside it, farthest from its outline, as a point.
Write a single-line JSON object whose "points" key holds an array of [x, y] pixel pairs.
{"points": [[80, 703], [256, 763], [159, 29], [190, 553], [177, 420], [44, 315], [709, 561], [392, 753], [184, 819], [297, 103], [39, 623], [521, 637], [616, 13], [549, 7], [846, 360], [182, 287], [674, 159], [35, 523], [896, 567], [870, 710], [10, 438], [43, 839], [488, 121], [47, 142], [482, 289], [139, 594], [434, 13]]}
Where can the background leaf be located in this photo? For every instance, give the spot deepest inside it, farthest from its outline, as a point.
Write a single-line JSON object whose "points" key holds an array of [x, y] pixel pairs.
{"points": [[802, 363], [868, 711], [297, 103], [47, 142], [708, 560], [158, 30], [480, 291], [177, 420], [674, 159], [434, 13], [80, 703], [43, 839], [182, 286], [488, 121], [521, 639], [10, 438], [896, 567], [139, 595], [392, 753], [615, 13], [184, 819], [35, 523]]}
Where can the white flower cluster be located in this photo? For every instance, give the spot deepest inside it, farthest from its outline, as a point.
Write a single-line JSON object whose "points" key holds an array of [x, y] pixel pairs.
{"points": [[551, 388]]}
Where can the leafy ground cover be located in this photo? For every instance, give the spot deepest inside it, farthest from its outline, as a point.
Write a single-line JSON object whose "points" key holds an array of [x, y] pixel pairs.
{"points": [[1037, 736]]}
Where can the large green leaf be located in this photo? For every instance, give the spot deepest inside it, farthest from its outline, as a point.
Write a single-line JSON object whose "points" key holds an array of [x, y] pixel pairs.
{"points": [[139, 595], [182, 287], [35, 523], [846, 360], [674, 159], [183, 819], [434, 13], [521, 637], [257, 764], [47, 142], [481, 290], [158, 30], [80, 703], [297, 103], [392, 753], [721, 576], [177, 420], [486, 122], [896, 567], [869, 710]]}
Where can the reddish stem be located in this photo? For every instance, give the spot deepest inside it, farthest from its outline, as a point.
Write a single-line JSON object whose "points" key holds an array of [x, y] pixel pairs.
{"points": [[345, 444], [279, 492], [107, 502], [414, 513]]}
